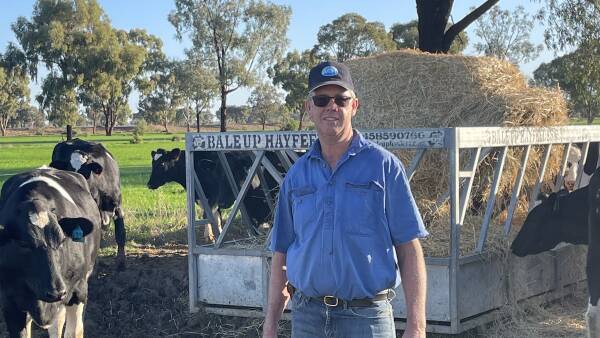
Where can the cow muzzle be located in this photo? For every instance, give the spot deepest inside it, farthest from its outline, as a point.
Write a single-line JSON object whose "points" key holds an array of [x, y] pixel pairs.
{"points": [[106, 218], [570, 185], [55, 295]]}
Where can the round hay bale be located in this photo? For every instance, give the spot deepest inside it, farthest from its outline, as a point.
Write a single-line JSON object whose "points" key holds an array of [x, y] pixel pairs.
{"points": [[411, 89]]}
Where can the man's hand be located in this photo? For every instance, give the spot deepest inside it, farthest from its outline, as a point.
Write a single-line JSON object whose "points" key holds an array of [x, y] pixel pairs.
{"points": [[413, 333], [278, 295], [414, 282], [269, 330]]}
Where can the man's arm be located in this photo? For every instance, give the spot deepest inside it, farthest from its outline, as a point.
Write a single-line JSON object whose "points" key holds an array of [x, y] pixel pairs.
{"points": [[278, 295], [414, 283]]}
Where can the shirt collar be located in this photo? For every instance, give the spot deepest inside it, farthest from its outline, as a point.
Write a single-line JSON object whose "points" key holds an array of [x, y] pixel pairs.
{"points": [[357, 144]]}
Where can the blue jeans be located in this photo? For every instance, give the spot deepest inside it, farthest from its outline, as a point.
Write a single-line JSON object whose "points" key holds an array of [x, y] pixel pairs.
{"points": [[311, 318]]}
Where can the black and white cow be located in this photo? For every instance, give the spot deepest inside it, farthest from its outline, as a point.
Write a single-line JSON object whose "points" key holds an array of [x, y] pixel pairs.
{"points": [[593, 256], [169, 166], [79, 155], [49, 239], [569, 218], [561, 217]]}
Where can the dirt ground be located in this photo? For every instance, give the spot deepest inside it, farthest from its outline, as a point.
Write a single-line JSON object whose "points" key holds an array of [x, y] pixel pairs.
{"points": [[149, 299]]}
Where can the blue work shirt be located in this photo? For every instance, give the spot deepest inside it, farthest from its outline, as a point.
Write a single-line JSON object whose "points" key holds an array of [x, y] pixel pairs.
{"points": [[338, 228]]}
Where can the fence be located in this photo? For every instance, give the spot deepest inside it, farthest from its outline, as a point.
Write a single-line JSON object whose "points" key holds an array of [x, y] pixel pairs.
{"points": [[231, 276]]}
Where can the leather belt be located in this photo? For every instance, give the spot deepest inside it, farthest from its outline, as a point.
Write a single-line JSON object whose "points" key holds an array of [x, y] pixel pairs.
{"points": [[332, 301]]}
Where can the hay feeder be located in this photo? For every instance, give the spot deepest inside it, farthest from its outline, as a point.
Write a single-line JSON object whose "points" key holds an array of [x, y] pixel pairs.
{"points": [[470, 278]]}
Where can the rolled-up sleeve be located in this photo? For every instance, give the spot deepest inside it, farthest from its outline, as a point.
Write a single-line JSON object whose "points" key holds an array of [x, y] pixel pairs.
{"points": [[282, 234], [404, 218]]}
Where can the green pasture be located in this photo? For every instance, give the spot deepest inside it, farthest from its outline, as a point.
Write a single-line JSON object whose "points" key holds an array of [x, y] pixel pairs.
{"points": [[582, 121], [152, 217]]}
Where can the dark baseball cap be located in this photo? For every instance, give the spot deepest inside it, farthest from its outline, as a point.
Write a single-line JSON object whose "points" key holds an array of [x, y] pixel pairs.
{"points": [[330, 73]]}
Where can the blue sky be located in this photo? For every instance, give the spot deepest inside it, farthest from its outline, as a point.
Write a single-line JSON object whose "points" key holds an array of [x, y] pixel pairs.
{"points": [[307, 17]]}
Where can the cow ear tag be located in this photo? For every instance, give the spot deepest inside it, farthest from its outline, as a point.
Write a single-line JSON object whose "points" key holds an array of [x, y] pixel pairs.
{"points": [[77, 234]]}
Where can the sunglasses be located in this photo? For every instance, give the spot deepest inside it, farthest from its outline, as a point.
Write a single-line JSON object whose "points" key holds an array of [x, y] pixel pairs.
{"points": [[323, 100]]}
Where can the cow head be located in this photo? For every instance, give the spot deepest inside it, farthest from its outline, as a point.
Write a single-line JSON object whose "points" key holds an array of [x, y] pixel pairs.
{"points": [[167, 166], [541, 230], [570, 177], [32, 241]]}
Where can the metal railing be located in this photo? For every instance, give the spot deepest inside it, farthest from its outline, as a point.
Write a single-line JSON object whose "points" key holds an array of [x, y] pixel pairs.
{"points": [[466, 149]]}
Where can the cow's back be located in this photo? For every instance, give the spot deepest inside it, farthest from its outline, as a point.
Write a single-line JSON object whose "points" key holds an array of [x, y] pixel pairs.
{"points": [[108, 184]]}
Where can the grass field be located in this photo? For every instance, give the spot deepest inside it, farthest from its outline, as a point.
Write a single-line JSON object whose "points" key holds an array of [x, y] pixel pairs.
{"points": [[153, 217], [581, 121]]}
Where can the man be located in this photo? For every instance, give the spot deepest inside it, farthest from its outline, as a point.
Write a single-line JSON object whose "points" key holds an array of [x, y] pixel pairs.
{"points": [[342, 210]]}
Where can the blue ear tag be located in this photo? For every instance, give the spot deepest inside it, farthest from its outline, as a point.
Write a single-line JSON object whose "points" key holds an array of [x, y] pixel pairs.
{"points": [[77, 234]]}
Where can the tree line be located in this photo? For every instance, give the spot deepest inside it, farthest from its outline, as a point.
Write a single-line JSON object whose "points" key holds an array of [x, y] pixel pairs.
{"points": [[91, 68]]}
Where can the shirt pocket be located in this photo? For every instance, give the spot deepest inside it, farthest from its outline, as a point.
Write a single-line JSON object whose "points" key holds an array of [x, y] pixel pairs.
{"points": [[303, 207], [363, 207]]}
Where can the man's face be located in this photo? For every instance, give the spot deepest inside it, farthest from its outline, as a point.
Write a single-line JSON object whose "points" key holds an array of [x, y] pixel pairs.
{"points": [[333, 119]]}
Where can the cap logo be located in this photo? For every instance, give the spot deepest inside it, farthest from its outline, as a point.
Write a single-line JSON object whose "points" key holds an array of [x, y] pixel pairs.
{"points": [[329, 71]]}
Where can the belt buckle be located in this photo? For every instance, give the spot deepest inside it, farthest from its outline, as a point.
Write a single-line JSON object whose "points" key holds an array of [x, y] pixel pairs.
{"points": [[329, 301]]}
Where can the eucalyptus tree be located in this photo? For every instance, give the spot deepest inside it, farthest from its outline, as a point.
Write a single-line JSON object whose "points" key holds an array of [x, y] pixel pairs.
{"points": [[291, 73], [238, 114], [570, 22], [28, 116], [92, 114], [58, 101], [185, 116], [265, 104], [235, 39], [574, 26], [112, 69], [89, 63], [160, 101], [55, 36], [578, 74], [505, 34], [351, 36], [198, 89], [14, 85]]}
